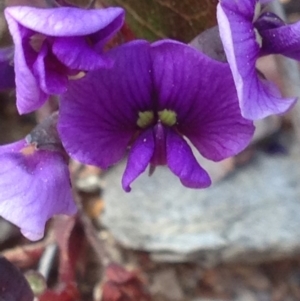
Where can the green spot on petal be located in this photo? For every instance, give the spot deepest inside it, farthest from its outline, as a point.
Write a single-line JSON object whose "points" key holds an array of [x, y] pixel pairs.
{"points": [[167, 117], [145, 119]]}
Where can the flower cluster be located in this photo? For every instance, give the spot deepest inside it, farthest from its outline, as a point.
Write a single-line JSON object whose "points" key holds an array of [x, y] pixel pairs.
{"points": [[147, 101], [54, 45]]}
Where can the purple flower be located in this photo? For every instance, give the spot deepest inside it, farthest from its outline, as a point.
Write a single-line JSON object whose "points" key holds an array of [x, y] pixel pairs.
{"points": [[7, 74], [152, 97], [247, 34], [56, 44], [34, 183]]}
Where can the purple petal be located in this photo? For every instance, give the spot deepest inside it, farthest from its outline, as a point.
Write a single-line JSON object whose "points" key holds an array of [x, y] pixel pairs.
{"points": [[13, 284], [34, 187], [64, 21], [257, 99], [13, 147], [29, 95], [173, 70], [206, 103], [282, 39], [176, 82], [76, 53], [101, 37], [50, 73], [183, 164], [268, 20], [99, 113], [6, 54], [139, 157], [264, 99], [7, 73], [242, 10]]}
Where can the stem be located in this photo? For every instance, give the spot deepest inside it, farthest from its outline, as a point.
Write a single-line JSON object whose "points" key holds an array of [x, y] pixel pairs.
{"points": [[47, 259], [92, 236]]}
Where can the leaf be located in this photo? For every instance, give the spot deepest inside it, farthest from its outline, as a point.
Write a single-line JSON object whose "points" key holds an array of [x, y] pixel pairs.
{"points": [[71, 244], [68, 292], [177, 19], [13, 285], [122, 285]]}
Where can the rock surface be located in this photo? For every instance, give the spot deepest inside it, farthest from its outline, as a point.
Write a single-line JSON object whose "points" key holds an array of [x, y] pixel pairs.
{"points": [[252, 215]]}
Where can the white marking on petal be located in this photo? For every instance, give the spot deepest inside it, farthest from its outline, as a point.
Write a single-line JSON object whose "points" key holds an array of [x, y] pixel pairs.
{"points": [[258, 37]]}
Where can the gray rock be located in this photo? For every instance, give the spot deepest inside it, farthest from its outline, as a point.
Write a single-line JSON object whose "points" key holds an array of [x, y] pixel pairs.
{"points": [[252, 215], [166, 284], [205, 299]]}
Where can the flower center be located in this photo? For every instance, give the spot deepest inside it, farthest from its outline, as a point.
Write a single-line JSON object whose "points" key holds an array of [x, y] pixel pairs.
{"points": [[166, 117], [145, 119]]}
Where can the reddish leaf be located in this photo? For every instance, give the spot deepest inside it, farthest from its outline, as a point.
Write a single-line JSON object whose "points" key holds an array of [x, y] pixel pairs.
{"points": [[68, 293], [71, 242], [122, 285], [118, 274], [111, 292]]}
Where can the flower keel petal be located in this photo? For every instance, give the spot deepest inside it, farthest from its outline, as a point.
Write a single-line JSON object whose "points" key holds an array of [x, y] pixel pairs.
{"points": [[183, 164], [139, 157]]}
